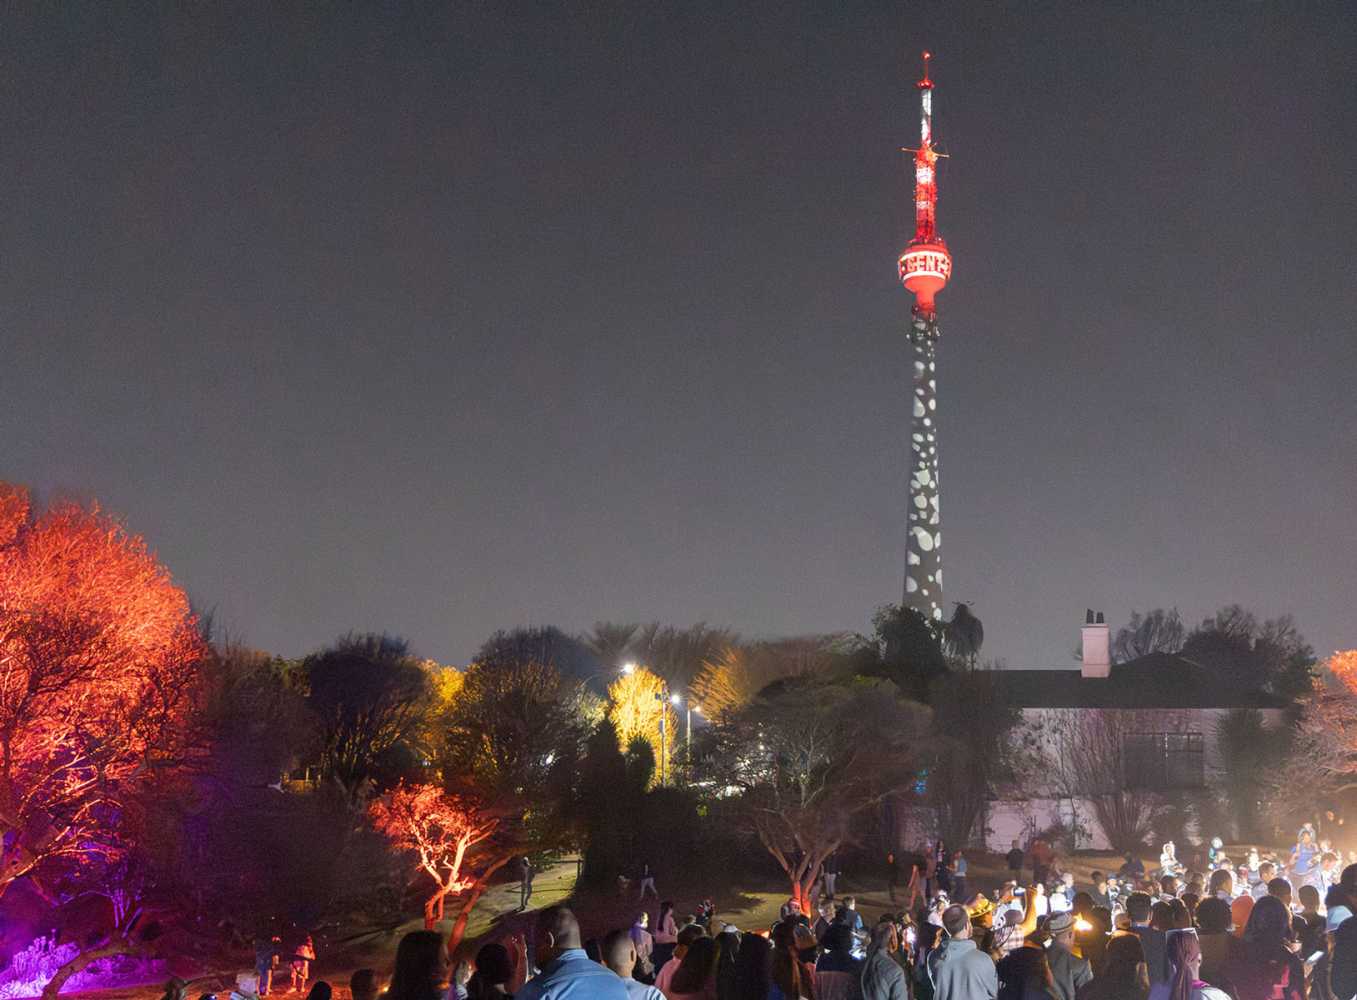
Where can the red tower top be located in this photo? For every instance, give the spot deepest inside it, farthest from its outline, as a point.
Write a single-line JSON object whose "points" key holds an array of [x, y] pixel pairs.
{"points": [[926, 265]]}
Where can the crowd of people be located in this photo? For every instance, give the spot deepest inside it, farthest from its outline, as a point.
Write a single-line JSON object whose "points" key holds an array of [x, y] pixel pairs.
{"points": [[1269, 928]]}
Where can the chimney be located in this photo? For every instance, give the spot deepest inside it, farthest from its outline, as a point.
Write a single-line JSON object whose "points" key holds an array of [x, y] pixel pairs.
{"points": [[1096, 657]]}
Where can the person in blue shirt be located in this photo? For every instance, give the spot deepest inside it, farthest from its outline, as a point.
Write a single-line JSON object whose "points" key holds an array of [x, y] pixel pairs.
{"points": [[1303, 854], [567, 973]]}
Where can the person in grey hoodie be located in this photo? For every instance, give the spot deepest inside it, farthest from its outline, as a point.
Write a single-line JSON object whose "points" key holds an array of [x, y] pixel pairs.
{"points": [[960, 970], [882, 978]]}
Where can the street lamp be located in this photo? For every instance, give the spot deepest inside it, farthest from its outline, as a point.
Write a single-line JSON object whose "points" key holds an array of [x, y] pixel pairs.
{"points": [[689, 709], [626, 670]]}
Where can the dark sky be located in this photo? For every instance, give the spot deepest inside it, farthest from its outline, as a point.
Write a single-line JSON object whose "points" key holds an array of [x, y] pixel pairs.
{"points": [[442, 319]]}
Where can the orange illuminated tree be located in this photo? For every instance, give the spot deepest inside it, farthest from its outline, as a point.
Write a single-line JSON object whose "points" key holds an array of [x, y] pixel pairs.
{"points": [[637, 705], [98, 659], [1343, 665], [440, 829], [1322, 762]]}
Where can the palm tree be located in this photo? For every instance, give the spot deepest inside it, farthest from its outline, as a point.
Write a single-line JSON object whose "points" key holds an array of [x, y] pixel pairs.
{"points": [[610, 642], [964, 635]]}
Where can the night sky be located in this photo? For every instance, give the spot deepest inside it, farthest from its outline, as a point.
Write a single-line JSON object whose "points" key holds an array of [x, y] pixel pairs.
{"points": [[438, 321]]}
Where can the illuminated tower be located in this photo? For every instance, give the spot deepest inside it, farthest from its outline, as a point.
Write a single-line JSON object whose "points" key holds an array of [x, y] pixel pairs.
{"points": [[925, 267]]}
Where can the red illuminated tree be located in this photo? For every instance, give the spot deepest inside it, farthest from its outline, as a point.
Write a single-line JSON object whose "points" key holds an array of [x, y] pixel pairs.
{"points": [[441, 829], [98, 655]]}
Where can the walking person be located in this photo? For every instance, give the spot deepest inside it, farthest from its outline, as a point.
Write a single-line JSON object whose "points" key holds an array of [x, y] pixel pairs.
{"points": [[942, 858], [301, 964], [831, 870], [892, 874], [959, 877], [1014, 857], [930, 870], [647, 879], [525, 874], [266, 953]]}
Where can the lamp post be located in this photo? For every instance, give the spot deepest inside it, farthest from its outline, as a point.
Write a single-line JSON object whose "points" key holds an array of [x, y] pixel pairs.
{"points": [[689, 709], [659, 696], [675, 699]]}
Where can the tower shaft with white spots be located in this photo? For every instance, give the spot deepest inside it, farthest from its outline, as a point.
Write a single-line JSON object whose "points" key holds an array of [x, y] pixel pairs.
{"points": [[923, 549], [925, 268]]}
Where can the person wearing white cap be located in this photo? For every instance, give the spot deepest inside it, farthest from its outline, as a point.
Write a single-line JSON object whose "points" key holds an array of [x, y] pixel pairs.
{"points": [[1068, 971]]}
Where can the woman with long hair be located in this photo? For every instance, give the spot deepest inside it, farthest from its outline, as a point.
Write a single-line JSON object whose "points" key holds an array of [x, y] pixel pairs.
{"points": [[792, 978], [1122, 974], [494, 973], [665, 934], [422, 968], [1185, 960], [752, 968], [1265, 965], [695, 978], [727, 955]]}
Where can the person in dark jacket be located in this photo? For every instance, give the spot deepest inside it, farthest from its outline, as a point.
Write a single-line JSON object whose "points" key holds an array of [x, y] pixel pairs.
{"points": [[1068, 970], [838, 951], [882, 978], [1343, 960]]}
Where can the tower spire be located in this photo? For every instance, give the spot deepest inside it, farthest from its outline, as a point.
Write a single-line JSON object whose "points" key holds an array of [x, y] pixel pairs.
{"points": [[925, 268]]}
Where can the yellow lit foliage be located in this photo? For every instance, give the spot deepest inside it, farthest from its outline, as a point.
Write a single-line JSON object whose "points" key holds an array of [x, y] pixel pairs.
{"points": [[446, 681], [730, 680], [1343, 665], [635, 703]]}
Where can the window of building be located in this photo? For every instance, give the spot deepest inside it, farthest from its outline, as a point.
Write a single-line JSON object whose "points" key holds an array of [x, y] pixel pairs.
{"points": [[1163, 761]]}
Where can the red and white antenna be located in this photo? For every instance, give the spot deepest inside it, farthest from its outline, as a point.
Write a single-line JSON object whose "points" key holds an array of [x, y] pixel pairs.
{"points": [[926, 265]]}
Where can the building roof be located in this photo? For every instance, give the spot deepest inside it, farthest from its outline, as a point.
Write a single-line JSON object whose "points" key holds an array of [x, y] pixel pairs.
{"points": [[1159, 680]]}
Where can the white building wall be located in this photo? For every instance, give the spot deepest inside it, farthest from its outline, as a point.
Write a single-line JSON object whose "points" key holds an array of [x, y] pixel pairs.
{"points": [[1033, 804]]}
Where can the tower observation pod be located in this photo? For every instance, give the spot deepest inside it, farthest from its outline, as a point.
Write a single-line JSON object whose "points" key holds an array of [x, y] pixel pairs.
{"points": [[925, 268]]}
